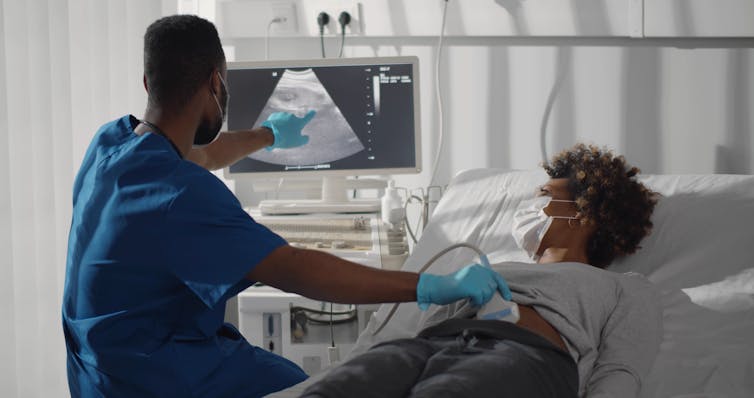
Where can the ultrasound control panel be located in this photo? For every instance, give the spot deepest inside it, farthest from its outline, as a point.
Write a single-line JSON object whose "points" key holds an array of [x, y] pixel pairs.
{"points": [[359, 238]]}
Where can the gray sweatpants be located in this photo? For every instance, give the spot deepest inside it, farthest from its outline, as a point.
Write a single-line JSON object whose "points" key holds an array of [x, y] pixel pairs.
{"points": [[457, 358]]}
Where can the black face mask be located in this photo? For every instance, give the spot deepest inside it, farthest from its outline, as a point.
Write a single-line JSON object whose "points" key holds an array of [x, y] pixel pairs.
{"points": [[207, 130]]}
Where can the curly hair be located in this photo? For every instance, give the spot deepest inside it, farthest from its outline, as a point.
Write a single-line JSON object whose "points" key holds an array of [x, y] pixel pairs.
{"points": [[608, 195]]}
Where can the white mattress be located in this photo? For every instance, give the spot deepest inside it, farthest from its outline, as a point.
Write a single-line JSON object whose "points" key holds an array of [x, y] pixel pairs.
{"points": [[701, 248]]}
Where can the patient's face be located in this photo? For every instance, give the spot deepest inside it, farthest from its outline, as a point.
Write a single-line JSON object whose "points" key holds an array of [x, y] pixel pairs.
{"points": [[562, 231], [557, 188]]}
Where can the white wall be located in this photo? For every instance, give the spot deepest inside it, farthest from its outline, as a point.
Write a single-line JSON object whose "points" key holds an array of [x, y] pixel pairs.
{"points": [[676, 99], [667, 109]]}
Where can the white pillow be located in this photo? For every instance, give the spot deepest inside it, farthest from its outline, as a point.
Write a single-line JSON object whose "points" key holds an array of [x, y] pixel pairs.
{"points": [[702, 231], [702, 224]]}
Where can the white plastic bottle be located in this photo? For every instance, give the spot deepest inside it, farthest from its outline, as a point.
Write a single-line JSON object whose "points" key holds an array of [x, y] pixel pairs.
{"points": [[392, 205]]}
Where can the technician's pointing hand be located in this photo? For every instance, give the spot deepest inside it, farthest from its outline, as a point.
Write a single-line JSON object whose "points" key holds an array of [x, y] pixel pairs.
{"points": [[473, 281], [286, 128]]}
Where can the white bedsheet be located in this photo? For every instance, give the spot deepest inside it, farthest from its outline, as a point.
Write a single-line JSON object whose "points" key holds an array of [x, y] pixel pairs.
{"points": [[702, 243], [704, 353]]}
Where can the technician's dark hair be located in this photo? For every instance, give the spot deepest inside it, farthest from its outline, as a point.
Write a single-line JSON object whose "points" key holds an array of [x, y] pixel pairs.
{"points": [[607, 194], [180, 52]]}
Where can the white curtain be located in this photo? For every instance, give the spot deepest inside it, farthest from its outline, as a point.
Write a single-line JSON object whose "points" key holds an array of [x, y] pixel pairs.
{"points": [[66, 67]]}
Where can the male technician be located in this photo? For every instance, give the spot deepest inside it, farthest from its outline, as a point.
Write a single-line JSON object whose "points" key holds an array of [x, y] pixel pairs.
{"points": [[158, 244]]}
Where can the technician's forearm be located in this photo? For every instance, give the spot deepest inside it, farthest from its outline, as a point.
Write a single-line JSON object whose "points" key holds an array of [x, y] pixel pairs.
{"points": [[322, 276], [230, 147]]}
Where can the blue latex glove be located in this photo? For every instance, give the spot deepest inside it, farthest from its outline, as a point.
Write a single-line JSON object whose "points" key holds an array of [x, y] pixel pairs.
{"points": [[286, 127], [474, 281]]}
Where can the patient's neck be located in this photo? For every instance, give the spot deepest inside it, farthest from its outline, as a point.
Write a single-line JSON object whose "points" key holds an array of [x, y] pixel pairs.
{"points": [[563, 255]]}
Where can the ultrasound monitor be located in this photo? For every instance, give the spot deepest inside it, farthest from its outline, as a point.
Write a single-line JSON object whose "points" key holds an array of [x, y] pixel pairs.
{"points": [[366, 123]]}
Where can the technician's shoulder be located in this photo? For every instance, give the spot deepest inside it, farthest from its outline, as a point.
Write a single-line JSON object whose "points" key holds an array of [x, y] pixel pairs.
{"points": [[107, 137], [199, 188], [112, 134]]}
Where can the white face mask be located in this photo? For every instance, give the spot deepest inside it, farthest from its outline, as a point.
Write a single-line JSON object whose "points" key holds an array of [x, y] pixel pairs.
{"points": [[530, 223]]}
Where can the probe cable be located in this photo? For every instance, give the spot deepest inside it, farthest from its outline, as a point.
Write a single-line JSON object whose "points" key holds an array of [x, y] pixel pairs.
{"points": [[482, 258]]}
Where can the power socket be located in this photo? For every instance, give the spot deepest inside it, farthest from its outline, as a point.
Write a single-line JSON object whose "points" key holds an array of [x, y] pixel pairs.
{"points": [[334, 8], [286, 11]]}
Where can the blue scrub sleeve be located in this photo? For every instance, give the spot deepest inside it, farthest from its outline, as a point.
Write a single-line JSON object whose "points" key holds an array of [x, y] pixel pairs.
{"points": [[214, 242]]}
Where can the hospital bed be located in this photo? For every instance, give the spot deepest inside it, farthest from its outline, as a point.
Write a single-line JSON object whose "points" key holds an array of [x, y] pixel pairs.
{"points": [[700, 254]]}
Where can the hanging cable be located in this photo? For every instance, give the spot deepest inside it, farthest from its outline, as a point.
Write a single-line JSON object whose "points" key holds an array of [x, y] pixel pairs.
{"points": [[332, 331], [344, 19], [322, 20], [279, 186], [405, 218], [267, 37], [562, 67], [438, 95]]}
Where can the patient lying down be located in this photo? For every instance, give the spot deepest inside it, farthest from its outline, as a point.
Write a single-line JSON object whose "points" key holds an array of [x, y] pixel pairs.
{"points": [[583, 331]]}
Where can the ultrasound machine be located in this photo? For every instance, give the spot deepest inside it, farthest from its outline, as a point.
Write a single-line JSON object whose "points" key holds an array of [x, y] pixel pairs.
{"points": [[366, 124]]}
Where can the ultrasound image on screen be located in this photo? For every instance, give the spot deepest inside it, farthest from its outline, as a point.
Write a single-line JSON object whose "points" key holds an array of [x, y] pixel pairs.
{"points": [[330, 136], [364, 119]]}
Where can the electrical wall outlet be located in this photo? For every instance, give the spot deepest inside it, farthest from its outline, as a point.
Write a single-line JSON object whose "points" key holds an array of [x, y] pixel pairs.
{"points": [[334, 8], [286, 11]]}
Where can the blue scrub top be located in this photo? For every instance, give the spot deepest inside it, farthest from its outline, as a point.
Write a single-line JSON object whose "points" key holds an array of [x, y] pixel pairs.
{"points": [[157, 245]]}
